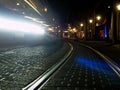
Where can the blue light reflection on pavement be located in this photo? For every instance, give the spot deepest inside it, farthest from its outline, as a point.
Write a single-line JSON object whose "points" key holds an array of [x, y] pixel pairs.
{"points": [[96, 65]]}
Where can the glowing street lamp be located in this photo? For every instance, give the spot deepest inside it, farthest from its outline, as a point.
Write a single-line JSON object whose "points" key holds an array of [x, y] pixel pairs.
{"points": [[74, 30], [90, 28], [45, 9], [90, 21], [98, 18], [81, 24], [118, 7], [117, 19]]}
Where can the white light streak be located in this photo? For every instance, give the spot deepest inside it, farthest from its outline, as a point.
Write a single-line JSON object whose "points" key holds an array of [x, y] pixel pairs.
{"points": [[32, 7], [15, 25]]}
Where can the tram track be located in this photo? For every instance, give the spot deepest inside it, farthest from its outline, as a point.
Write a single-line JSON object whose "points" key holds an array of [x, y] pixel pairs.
{"points": [[41, 80]]}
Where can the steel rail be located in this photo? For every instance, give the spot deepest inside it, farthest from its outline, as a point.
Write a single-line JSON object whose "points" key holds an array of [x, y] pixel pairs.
{"points": [[108, 60], [45, 76]]}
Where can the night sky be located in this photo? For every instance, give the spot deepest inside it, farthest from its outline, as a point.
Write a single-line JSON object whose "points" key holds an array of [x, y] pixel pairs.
{"points": [[69, 11]]}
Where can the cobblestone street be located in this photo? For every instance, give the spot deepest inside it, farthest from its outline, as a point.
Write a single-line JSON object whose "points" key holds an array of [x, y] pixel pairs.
{"points": [[20, 66]]}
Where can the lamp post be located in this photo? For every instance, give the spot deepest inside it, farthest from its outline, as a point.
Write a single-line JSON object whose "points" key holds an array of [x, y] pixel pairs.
{"points": [[115, 20], [118, 20], [90, 28], [82, 31], [98, 19]]}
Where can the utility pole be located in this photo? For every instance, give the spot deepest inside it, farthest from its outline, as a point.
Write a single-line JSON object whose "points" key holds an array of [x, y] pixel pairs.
{"points": [[114, 32], [94, 23]]}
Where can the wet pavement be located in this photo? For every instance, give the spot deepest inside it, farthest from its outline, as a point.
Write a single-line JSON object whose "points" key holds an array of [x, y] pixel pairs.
{"points": [[85, 70], [19, 66]]}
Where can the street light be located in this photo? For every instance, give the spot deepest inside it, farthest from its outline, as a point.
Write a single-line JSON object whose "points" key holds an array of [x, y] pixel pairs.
{"points": [[118, 7], [81, 24], [90, 28], [118, 20], [90, 21], [74, 30], [98, 18], [45, 9]]}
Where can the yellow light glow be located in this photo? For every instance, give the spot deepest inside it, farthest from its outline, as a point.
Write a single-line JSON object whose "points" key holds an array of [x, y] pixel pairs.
{"points": [[66, 31], [118, 7], [91, 21], [32, 3], [71, 30], [74, 30], [81, 24], [32, 6], [98, 17], [45, 9], [51, 30]]}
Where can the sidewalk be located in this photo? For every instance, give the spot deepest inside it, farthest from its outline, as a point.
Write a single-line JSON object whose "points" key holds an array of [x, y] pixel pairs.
{"points": [[111, 50], [103, 44]]}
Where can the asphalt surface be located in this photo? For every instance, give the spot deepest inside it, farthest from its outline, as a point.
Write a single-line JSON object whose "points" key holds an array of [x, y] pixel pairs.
{"points": [[85, 70], [19, 66]]}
